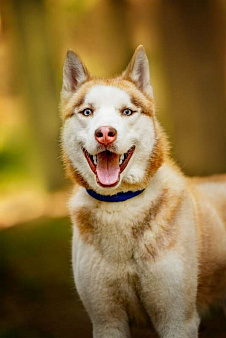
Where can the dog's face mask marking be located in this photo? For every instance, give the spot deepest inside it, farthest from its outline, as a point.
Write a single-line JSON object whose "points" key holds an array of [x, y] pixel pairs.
{"points": [[109, 130]]}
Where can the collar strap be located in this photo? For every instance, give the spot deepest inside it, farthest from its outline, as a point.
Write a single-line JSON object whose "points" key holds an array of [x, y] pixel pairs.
{"points": [[120, 197]]}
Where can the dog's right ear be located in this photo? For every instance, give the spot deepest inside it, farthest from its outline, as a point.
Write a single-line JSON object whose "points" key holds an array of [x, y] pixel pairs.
{"points": [[74, 73]]}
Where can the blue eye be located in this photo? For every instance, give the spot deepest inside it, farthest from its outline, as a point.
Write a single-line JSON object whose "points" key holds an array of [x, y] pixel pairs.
{"points": [[127, 112], [87, 112]]}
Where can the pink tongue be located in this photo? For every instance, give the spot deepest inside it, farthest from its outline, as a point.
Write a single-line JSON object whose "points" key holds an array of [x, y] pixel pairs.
{"points": [[107, 168]]}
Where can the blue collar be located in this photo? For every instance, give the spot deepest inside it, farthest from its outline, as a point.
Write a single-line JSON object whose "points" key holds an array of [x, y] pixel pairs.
{"points": [[120, 197]]}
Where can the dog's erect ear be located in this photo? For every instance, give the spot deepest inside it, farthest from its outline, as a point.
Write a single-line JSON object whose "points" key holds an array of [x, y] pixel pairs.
{"points": [[74, 72], [138, 71]]}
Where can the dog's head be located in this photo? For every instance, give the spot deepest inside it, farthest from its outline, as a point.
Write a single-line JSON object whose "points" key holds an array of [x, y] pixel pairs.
{"points": [[111, 140]]}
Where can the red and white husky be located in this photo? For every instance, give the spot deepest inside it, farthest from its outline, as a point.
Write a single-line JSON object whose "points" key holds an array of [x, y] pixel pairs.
{"points": [[148, 242]]}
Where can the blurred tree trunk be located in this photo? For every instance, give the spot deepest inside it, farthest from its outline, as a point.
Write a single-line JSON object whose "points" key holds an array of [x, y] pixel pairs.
{"points": [[193, 47], [104, 36], [37, 79], [120, 46]]}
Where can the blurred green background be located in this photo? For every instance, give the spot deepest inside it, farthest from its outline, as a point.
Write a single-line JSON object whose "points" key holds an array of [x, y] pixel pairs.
{"points": [[185, 43]]}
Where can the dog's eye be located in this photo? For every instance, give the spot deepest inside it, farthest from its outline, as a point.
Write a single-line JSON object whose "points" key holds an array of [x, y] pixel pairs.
{"points": [[87, 112], [127, 112]]}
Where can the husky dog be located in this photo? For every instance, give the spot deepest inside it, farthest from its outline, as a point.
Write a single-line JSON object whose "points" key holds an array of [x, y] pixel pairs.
{"points": [[148, 242]]}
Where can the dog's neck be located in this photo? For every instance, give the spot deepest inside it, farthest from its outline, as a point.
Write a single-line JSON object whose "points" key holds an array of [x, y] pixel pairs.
{"points": [[120, 197]]}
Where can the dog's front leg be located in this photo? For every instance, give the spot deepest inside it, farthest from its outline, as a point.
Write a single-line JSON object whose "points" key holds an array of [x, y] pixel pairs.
{"points": [[113, 330], [168, 292], [97, 285]]}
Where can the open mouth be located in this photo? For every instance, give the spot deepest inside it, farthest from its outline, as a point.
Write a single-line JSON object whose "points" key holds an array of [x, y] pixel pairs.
{"points": [[107, 166]]}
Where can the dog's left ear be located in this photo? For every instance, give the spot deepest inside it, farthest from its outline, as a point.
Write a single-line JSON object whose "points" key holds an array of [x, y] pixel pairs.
{"points": [[138, 71]]}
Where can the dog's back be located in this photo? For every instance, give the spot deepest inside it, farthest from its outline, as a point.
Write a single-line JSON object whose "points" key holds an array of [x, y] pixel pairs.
{"points": [[210, 200], [213, 188]]}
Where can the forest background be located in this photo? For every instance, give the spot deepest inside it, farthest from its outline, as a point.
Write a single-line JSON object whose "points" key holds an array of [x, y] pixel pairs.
{"points": [[185, 44]]}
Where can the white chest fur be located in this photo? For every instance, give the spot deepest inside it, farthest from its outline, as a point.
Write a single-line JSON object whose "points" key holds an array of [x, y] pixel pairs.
{"points": [[113, 223]]}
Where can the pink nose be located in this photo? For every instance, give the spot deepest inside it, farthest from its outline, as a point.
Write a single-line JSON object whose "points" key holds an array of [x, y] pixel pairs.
{"points": [[105, 135]]}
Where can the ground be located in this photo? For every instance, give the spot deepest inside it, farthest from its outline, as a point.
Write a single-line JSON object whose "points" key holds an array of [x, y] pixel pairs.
{"points": [[38, 298]]}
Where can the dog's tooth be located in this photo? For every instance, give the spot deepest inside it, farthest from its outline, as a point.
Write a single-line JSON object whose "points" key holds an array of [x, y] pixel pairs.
{"points": [[95, 159], [121, 159]]}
